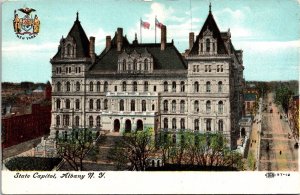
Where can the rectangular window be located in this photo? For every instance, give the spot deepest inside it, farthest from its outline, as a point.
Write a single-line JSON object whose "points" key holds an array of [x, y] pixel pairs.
{"points": [[208, 124]]}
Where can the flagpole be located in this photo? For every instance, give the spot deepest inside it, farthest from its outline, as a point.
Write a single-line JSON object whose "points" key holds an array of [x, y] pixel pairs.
{"points": [[141, 30], [155, 28]]}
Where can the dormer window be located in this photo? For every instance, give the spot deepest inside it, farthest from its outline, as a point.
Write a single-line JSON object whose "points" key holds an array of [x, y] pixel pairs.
{"points": [[207, 45], [134, 64], [69, 48], [124, 65], [146, 64]]}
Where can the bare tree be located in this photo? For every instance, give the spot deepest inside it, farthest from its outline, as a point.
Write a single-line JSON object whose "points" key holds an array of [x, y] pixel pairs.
{"points": [[133, 150], [74, 147]]}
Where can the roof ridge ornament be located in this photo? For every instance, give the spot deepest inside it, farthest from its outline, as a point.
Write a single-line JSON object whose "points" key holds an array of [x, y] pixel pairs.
{"points": [[210, 7], [77, 16]]}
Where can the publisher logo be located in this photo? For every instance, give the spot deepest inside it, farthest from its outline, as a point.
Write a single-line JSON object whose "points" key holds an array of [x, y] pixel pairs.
{"points": [[26, 26]]}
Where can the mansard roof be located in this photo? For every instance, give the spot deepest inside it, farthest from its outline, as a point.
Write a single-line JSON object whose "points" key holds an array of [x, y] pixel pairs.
{"points": [[169, 58], [210, 24], [82, 42]]}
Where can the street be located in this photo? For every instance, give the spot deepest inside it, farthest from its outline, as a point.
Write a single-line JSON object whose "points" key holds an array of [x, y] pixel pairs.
{"points": [[277, 152]]}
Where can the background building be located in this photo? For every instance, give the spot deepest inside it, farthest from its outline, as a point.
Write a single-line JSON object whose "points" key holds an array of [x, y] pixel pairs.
{"points": [[134, 86]]}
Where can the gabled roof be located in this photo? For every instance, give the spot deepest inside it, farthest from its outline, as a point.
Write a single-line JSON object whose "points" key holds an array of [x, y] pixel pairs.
{"points": [[169, 58], [80, 38], [210, 24]]}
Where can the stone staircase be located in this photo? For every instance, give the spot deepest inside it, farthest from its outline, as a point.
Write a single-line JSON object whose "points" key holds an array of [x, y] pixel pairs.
{"points": [[106, 143]]}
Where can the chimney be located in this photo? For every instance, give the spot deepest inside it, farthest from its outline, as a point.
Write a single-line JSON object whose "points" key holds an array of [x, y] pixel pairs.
{"points": [[108, 43], [92, 48], [163, 37], [119, 39], [191, 40]]}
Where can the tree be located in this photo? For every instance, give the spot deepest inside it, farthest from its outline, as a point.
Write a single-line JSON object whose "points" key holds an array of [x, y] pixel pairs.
{"points": [[205, 150], [251, 161], [133, 150], [282, 97], [75, 147]]}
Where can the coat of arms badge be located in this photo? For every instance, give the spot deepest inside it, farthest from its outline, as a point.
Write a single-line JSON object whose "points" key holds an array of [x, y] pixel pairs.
{"points": [[26, 27]]}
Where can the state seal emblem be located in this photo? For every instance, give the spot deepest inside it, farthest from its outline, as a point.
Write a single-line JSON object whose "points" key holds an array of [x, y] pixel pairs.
{"points": [[25, 25]]}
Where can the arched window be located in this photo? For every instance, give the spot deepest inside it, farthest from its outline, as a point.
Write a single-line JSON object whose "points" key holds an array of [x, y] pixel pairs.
{"points": [[134, 86], [124, 65], [68, 85], [68, 104], [121, 105], [98, 86], [174, 106], [98, 104], [77, 86], [58, 103], [57, 120], [77, 121], [146, 64], [201, 47], [132, 105], [165, 105], [196, 86], [208, 124], [105, 86], [69, 50], [165, 123], [182, 123], [58, 86], [146, 84], [174, 123], [182, 86], [208, 106], [153, 107], [124, 86], [207, 45], [98, 119], [77, 104], [91, 86], [220, 86], [196, 124], [173, 86], [182, 106], [105, 104], [143, 105], [207, 86], [165, 86], [214, 47], [91, 104], [220, 125], [134, 64], [66, 120], [196, 106], [91, 121], [220, 107]]}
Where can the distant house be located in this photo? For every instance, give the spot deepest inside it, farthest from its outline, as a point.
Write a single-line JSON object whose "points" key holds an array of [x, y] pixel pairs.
{"points": [[250, 99]]}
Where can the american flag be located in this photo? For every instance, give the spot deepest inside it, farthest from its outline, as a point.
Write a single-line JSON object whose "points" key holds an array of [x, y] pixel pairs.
{"points": [[157, 23], [145, 24]]}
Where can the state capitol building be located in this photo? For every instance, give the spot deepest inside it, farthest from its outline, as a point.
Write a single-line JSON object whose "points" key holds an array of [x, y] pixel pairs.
{"points": [[132, 86]]}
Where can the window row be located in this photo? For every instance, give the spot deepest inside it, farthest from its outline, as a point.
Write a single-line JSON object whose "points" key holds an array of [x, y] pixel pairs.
{"points": [[133, 105], [66, 121], [135, 65], [77, 104], [182, 86], [208, 86], [196, 68], [208, 106], [68, 70], [220, 125]]}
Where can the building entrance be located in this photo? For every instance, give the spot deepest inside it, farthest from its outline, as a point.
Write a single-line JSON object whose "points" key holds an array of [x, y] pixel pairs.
{"points": [[127, 126], [116, 125]]}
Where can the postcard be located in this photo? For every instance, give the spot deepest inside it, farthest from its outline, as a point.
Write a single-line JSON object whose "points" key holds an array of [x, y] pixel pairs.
{"points": [[150, 96]]}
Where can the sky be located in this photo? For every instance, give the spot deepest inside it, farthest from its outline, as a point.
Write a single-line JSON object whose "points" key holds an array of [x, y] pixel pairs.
{"points": [[268, 31]]}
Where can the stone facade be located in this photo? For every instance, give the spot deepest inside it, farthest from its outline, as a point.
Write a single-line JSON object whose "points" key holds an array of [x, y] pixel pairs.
{"points": [[134, 86]]}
